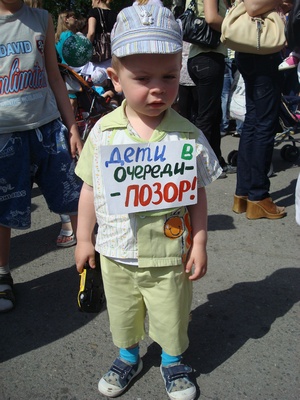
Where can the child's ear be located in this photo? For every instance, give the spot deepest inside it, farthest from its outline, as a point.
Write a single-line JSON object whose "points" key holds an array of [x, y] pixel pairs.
{"points": [[112, 73]]}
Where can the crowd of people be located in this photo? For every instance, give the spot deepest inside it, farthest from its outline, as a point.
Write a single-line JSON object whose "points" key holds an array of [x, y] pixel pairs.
{"points": [[149, 257]]}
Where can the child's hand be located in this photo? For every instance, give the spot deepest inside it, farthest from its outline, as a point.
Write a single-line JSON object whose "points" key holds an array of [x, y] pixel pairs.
{"points": [[75, 143], [109, 93], [84, 252], [197, 257], [85, 249], [197, 262]]}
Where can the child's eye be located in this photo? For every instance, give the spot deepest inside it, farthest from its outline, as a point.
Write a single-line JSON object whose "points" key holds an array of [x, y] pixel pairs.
{"points": [[140, 78], [170, 77]]}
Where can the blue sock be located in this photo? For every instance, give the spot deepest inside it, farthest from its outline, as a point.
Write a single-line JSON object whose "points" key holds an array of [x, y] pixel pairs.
{"points": [[130, 355], [166, 359]]}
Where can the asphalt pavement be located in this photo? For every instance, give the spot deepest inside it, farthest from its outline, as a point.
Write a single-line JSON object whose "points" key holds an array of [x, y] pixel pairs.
{"points": [[244, 332]]}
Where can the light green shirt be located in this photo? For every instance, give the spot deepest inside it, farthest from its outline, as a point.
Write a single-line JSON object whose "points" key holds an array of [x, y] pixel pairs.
{"points": [[142, 236]]}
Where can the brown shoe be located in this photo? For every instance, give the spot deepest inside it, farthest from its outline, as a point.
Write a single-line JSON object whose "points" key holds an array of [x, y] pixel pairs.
{"points": [[239, 204], [264, 209]]}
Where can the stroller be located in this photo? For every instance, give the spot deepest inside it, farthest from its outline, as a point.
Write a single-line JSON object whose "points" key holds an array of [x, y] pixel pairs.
{"points": [[91, 106], [289, 121], [289, 126]]}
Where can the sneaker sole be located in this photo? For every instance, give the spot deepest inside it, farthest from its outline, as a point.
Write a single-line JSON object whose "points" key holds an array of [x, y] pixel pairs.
{"points": [[114, 391], [287, 67]]}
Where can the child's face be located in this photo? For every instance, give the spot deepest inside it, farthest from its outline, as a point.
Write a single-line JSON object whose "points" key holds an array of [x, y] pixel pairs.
{"points": [[149, 82]]}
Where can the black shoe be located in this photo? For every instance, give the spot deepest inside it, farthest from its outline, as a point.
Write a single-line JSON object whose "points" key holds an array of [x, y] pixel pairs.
{"points": [[222, 162], [229, 169], [7, 293], [223, 175]]}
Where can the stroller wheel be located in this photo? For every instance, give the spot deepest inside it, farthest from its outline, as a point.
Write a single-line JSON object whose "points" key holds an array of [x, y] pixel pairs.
{"points": [[232, 158], [289, 153]]}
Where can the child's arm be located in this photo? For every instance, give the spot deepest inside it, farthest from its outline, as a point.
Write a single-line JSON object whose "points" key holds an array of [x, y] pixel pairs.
{"points": [[85, 249], [60, 92], [197, 257], [108, 93]]}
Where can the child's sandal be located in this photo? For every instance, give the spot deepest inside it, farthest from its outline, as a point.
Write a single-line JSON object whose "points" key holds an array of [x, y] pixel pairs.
{"points": [[65, 239], [7, 294]]}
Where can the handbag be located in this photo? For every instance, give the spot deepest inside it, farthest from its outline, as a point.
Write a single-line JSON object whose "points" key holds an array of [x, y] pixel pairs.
{"points": [[237, 106], [255, 35], [196, 30], [102, 43]]}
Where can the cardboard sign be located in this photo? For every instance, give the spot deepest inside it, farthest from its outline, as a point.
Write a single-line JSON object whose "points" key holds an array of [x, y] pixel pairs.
{"points": [[149, 176]]}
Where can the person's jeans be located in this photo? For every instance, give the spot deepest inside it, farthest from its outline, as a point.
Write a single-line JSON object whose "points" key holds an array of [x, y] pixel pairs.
{"points": [[226, 97], [227, 83], [207, 71], [188, 102], [239, 126], [262, 83]]}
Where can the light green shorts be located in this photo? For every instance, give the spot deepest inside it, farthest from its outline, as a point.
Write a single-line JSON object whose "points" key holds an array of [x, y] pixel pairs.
{"points": [[165, 293]]}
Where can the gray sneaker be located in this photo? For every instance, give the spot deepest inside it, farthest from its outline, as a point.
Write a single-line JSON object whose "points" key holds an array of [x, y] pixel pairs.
{"points": [[116, 380], [177, 381], [229, 169]]}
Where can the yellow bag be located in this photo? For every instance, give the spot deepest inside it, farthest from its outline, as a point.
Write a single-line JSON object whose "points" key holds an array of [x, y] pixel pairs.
{"points": [[255, 35]]}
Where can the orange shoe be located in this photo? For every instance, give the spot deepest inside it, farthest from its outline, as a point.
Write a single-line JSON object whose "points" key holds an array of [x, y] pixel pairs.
{"points": [[265, 208], [239, 204]]}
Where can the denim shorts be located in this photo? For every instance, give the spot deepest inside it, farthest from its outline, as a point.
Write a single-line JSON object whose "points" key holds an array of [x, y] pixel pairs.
{"points": [[40, 156]]}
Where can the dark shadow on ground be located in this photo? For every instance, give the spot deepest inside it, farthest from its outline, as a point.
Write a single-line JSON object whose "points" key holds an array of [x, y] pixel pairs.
{"points": [[31, 245], [48, 312], [286, 194], [220, 222], [222, 325], [35, 192]]}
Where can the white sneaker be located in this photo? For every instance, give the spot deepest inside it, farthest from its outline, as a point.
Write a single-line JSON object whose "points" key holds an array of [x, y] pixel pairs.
{"points": [[288, 63]]}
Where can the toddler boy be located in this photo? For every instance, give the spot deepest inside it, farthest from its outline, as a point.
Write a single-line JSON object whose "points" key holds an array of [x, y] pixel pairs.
{"points": [[148, 259]]}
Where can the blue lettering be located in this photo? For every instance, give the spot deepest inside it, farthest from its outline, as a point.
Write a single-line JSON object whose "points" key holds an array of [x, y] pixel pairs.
{"points": [[161, 156], [115, 158], [144, 153], [15, 48], [129, 152]]}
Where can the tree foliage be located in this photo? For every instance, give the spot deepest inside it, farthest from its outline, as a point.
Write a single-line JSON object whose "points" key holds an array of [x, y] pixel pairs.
{"points": [[81, 7]]}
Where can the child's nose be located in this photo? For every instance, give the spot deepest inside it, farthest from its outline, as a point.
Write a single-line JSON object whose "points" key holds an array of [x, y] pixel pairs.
{"points": [[158, 87]]}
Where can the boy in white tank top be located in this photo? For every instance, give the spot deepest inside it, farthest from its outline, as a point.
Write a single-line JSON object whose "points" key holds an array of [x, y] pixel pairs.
{"points": [[35, 146]]}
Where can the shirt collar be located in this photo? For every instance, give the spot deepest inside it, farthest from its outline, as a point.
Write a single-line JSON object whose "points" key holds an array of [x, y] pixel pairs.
{"points": [[172, 121]]}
